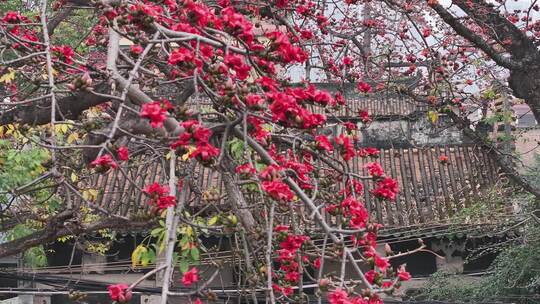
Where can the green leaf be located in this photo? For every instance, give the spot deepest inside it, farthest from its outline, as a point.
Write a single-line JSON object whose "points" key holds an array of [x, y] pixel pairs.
{"points": [[151, 256], [156, 231], [237, 148], [184, 266], [260, 166], [184, 240], [195, 253]]}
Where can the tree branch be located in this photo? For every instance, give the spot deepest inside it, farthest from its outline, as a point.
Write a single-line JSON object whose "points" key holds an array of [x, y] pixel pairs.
{"points": [[466, 33], [70, 107], [64, 224]]}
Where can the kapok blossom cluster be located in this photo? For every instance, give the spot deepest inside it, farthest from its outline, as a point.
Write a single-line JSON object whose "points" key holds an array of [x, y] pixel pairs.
{"points": [[273, 184], [159, 196], [386, 187], [353, 210], [195, 141], [301, 165], [156, 112], [288, 259]]}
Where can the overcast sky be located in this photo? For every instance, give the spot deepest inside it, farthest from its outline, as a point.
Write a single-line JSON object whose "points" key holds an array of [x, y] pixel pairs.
{"points": [[511, 5]]}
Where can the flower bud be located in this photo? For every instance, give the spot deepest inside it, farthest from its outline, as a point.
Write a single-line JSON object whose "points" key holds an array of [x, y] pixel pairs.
{"points": [[324, 283], [129, 295]]}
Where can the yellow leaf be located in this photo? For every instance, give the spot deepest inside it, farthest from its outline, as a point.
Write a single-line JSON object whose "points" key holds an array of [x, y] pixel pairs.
{"points": [[136, 255], [188, 154], [10, 129], [433, 116], [213, 220], [85, 195], [8, 77], [74, 177], [161, 247], [90, 194], [61, 128], [93, 192], [72, 137]]}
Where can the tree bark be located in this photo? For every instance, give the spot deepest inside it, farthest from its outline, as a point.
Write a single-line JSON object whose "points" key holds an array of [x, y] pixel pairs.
{"points": [[69, 107], [62, 224]]}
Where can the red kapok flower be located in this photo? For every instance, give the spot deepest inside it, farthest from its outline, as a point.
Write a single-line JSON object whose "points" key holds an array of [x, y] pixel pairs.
{"points": [[104, 162], [287, 291], [281, 228], [12, 17], [381, 263], [346, 146], [370, 276], [182, 55], [403, 275], [317, 263], [278, 190], [123, 153], [205, 152], [159, 196], [190, 277], [246, 170], [347, 61], [443, 159], [156, 190], [64, 52], [375, 169], [165, 202], [369, 151], [237, 64], [255, 102], [292, 276], [387, 188], [364, 116], [338, 296], [323, 143], [350, 126], [118, 293], [136, 49], [155, 112], [364, 87]]}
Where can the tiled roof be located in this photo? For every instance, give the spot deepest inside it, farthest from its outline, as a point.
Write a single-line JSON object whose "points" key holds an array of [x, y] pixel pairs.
{"points": [[430, 191]]}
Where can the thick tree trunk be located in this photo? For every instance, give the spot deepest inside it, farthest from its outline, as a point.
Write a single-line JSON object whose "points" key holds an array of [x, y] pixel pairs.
{"points": [[69, 107], [64, 224], [526, 85]]}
